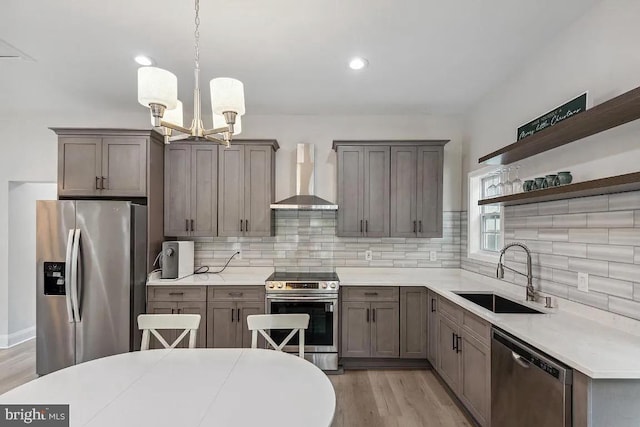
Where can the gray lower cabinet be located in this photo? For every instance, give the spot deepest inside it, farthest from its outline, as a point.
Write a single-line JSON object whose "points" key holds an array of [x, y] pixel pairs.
{"points": [[413, 322], [370, 322], [104, 162], [246, 188], [390, 188], [464, 358], [227, 311], [432, 322], [363, 191], [416, 191], [191, 190]]}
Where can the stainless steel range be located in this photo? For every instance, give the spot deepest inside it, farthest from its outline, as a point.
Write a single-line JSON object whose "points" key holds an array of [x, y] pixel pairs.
{"points": [[317, 295]]}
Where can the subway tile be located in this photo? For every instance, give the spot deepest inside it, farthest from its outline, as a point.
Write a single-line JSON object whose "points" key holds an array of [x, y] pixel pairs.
{"points": [[554, 234], [524, 210], [553, 208], [610, 253], [624, 307], [636, 220], [570, 249], [624, 201], [590, 266], [589, 235], [594, 299], [570, 221], [553, 261], [610, 286], [589, 204], [621, 271], [381, 263], [636, 291], [515, 222], [524, 234], [405, 263], [636, 255], [553, 288], [545, 221], [610, 219], [625, 236], [565, 277]]}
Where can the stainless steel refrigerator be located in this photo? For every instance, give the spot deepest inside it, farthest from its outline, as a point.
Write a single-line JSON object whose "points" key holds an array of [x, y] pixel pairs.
{"points": [[91, 273]]}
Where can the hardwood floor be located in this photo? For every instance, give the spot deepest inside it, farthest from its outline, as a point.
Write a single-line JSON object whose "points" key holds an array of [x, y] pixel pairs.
{"points": [[17, 365], [402, 398], [377, 398]]}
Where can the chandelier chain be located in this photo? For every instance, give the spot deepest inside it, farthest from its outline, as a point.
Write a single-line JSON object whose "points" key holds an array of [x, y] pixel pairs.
{"points": [[197, 34]]}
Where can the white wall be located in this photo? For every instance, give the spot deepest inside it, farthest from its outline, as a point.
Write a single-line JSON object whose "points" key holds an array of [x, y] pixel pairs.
{"points": [[29, 152], [22, 255], [598, 53]]}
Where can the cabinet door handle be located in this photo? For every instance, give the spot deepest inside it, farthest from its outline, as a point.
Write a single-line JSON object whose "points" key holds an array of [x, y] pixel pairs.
{"points": [[179, 311], [370, 294], [186, 225], [176, 293], [433, 306], [238, 314], [97, 182], [453, 341], [366, 225], [414, 226], [246, 225], [102, 183], [192, 226], [367, 315], [420, 226], [373, 315], [232, 310], [236, 294], [241, 229], [458, 341], [172, 311], [361, 226]]}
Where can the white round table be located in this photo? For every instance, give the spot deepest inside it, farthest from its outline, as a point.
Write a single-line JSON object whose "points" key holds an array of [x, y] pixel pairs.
{"points": [[184, 387]]}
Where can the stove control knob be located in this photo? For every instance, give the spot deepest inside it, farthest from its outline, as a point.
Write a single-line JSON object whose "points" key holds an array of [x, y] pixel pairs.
{"points": [[280, 285], [270, 285], [324, 286], [333, 285]]}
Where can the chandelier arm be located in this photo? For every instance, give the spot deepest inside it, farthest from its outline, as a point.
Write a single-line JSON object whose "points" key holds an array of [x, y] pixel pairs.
{"points": [[175, 127], [215, 131], [218, 140]]}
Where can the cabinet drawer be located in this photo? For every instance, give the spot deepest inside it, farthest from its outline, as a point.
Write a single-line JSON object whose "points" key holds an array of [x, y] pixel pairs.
{"points": [[236, 293], [373, 293], [177, 293], [449, 309], [481, 329]]}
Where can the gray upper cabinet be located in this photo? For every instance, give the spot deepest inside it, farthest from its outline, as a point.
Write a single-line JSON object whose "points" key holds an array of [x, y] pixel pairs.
{"points": [[390, 188], [191, 185], [246, 188], [416, 191], [104, 162]]}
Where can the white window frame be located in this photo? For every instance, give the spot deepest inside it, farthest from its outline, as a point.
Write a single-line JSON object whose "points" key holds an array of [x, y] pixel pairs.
{"points": [[474, 212]]}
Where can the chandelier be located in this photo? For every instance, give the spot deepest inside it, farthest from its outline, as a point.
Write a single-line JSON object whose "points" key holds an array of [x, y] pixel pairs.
{"points": [[158, 90]]}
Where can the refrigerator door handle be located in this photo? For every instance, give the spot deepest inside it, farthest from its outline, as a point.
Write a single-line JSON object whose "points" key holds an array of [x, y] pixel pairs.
{"points": [[67, 276], [74, 276]]}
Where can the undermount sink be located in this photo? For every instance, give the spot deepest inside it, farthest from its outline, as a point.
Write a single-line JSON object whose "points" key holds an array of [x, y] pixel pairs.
{"points": [[496, 303]]}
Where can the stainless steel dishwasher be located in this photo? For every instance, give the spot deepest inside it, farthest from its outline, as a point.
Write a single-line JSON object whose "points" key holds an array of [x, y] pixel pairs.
{"points": [[528, 389]]}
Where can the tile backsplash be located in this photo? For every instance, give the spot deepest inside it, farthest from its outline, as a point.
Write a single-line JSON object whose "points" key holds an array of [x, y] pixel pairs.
{"points": [[596, 235], [307, 241]]}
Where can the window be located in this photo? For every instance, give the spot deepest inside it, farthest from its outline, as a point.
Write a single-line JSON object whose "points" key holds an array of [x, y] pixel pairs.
{"points": [[490, 223], [485, 227]]}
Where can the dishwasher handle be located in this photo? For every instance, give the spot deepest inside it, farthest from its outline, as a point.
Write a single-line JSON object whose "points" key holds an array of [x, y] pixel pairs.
{"points": [[520, 360]]}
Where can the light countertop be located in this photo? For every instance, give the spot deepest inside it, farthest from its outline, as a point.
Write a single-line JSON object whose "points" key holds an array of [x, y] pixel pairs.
{"points": [[599, 351], [232, 276]]}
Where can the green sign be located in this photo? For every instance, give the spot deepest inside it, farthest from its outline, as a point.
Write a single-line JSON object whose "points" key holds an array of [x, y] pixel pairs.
{"points": [[570, 109]]}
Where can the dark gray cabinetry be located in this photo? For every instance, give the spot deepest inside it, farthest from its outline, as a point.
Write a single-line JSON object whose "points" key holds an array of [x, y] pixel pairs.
{"points": [[191, 190], [227, 311], [389, 188], [363, 191], [432, 322], [413, 322], [370, 322], [416, 191], [246, 188]]}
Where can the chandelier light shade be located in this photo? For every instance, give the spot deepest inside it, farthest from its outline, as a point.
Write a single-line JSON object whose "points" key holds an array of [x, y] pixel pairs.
{"points": [[157, 86], [158, 90], [227, 95], [219, 121]]}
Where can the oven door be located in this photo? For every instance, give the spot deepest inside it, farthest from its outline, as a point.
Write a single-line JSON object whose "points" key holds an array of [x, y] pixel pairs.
{"points": [[322, 334]]}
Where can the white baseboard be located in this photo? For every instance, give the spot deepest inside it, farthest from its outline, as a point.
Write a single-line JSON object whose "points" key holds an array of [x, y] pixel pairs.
{"points": [[7, 341]]}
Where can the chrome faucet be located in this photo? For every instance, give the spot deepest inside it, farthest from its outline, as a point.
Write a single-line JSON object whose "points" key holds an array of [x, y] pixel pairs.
{"points": [[531, 293]]}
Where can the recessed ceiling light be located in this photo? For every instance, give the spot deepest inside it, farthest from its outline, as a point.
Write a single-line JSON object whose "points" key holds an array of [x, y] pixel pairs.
{"points": [[144, 60], [358, 63]]}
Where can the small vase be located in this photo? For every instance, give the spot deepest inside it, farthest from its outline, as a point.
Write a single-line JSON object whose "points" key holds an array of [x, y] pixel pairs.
{"points": [[551, 180], [565, 178], [528, 185], [539, 182]]}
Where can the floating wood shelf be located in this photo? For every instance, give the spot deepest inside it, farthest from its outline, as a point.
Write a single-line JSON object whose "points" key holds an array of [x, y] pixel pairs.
{"points": [[614, 184], [615, 112]]}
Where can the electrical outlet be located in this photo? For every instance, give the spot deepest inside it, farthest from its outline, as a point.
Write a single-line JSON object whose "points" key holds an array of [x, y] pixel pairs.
{"points": [[583, 282], [368, 255], [433, 256]]}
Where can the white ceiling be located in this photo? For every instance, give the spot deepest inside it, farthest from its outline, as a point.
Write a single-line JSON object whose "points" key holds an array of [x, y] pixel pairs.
{"points": [[426, 56]]}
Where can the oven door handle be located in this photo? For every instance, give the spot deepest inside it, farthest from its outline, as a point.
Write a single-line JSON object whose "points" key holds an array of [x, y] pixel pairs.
{"points": [[325, 299]]}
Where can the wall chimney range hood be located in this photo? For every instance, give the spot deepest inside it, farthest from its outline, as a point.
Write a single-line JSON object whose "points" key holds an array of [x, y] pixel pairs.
{"points": [[305, 199]]}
